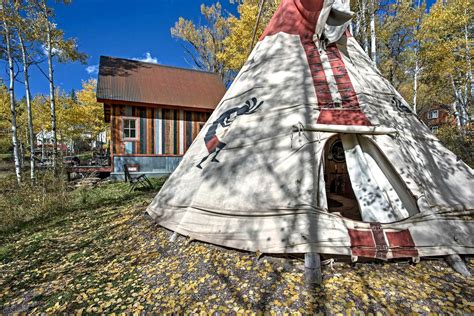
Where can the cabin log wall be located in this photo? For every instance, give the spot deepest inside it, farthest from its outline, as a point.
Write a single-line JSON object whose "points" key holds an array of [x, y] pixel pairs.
{"points": [[164, 135], [162, 131]]}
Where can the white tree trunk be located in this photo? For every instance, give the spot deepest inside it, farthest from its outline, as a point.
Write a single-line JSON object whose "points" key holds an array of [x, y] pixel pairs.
{"points": [[21, 154], [28, 107], [11, 73], [456, 115], [373, 36], [459, 108], [470, 83], [415, 83], [357, 24], [365, 38], [43, 154], [52, 97], [417, 62]]}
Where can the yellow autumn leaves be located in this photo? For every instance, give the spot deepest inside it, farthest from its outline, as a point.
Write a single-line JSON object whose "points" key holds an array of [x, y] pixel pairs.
{"points": [[114, 259], [76, 115]]}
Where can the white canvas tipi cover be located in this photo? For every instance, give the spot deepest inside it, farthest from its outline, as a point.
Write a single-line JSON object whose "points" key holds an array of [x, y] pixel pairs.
{"points": [[254, 177]]}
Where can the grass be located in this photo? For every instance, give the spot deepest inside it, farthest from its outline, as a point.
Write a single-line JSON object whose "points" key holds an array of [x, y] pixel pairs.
{"points": [[51, 196], [69, 235], [7, 156], [99, 253]]}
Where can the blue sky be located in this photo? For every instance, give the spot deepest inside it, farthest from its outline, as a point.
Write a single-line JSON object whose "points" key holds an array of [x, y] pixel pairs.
{"points": [[119, 28]]}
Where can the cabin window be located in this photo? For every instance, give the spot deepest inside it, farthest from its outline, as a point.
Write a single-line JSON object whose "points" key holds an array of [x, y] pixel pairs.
{"points": [[433, 114], [130, 129]]}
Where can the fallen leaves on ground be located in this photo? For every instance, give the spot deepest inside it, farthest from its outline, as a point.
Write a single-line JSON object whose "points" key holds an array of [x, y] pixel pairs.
{"points": [[115, 259]]}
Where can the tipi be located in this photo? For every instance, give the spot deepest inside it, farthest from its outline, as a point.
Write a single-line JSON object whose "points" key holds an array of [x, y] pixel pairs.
{"points": [[311, 150]]}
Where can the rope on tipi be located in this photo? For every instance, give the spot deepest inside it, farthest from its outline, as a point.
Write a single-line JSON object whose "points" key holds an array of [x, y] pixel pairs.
{"points": [[299, 128]]}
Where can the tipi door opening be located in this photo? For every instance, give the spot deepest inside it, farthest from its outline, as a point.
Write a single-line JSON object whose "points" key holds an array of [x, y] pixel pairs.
{"points": [[340, 195], [361, 184]]}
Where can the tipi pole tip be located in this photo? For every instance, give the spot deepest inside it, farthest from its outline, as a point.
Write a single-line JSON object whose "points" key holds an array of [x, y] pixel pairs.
{"points": [[458, 265], [312, 268]]}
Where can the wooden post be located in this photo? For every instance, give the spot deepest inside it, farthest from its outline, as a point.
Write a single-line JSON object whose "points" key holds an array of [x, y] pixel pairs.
{"points": [[312, 268], [458, 265]]}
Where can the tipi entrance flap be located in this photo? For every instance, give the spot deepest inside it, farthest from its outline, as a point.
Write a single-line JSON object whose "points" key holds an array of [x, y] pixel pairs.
{"points": [[381, 193]]}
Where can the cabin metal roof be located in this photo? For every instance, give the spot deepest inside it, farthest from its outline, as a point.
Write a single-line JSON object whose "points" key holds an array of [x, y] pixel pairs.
{"points": [[131, 81]]}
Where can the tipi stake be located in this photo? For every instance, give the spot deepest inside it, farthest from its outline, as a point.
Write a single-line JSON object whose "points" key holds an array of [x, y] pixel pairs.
{"points": [[174, 237], [458, 265], [312, 268]]}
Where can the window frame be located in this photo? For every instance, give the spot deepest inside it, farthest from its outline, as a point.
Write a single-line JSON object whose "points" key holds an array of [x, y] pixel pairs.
{"points": [[434, 129], [431, 116], [137, 128]]}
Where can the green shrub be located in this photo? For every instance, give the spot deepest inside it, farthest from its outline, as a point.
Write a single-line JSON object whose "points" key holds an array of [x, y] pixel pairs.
{"points": [[19, 204], [461, 143], [53, 195], [5, 145], [6, 157]]}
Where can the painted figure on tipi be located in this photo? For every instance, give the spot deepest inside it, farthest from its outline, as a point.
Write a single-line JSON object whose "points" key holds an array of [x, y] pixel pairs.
{"points": [[218, 129]]}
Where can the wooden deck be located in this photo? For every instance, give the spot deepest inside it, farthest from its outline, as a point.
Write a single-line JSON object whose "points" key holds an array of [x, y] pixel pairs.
{"points": [[89, 169], [86, 171]]}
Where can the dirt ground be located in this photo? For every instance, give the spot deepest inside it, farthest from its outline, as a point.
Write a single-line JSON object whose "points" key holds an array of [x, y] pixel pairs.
{"points": [[115, 259]]}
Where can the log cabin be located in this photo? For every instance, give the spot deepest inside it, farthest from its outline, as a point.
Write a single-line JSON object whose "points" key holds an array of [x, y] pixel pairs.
{"points": [[437, 116], [154, 112]]}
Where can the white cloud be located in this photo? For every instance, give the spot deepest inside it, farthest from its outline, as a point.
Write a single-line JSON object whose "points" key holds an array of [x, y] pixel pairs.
{"points": [[148, 58], [55, 51], [92, 69]]}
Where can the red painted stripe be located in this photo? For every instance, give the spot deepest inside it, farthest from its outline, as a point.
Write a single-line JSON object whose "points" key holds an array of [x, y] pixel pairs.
{"points": [[364, 252], [371, 243], [342, 117], [344, 84], [299, 17], [351, 113], [400, 239], [317, 72], [402, 244], [343, 81], [361, 238], [362, 243]]}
